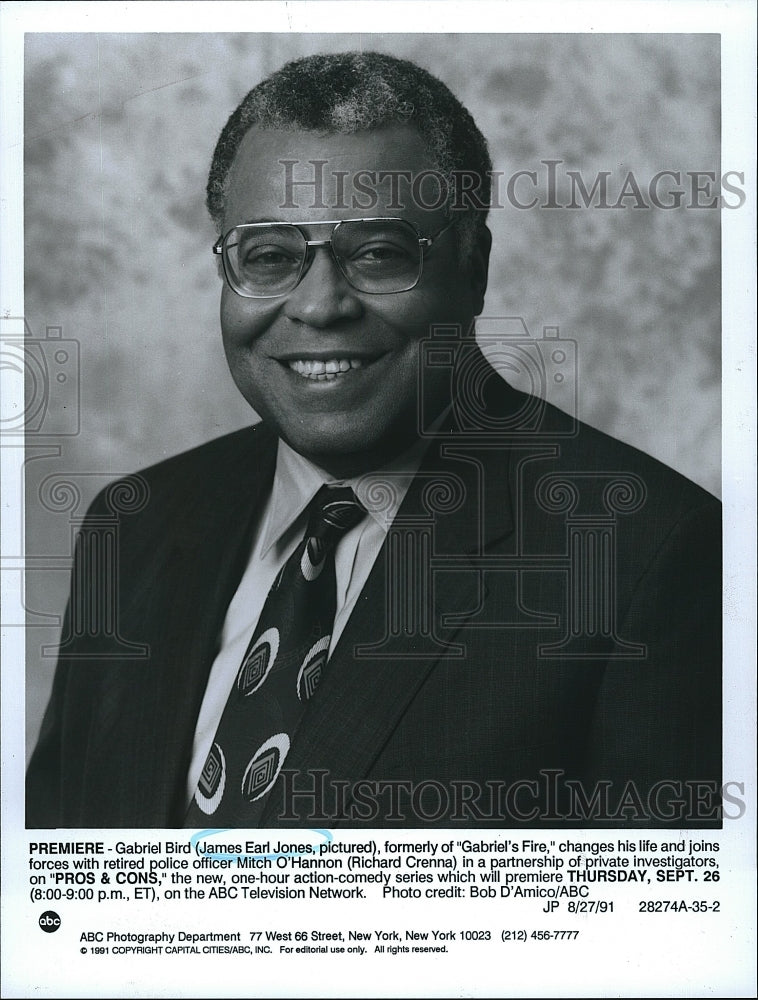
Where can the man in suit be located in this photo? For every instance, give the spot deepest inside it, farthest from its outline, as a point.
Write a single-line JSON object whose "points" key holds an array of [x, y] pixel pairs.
{"points": [[524, 624]]}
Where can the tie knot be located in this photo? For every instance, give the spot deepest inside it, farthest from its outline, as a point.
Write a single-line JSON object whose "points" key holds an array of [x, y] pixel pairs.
{"points": [[334, 511]]}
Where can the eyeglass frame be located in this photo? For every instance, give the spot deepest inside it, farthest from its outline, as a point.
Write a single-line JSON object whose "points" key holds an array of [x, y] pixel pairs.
{"points": [[424, 242]]}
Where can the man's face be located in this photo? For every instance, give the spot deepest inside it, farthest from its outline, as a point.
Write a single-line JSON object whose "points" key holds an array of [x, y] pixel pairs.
{"points": [[368, 412]]}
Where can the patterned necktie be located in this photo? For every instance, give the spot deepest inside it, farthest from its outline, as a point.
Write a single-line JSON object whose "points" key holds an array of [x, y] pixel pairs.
{"points": [[280, 672]]}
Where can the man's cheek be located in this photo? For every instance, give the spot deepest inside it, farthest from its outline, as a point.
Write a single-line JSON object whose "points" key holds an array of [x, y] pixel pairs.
{"points": [[243, 321]]}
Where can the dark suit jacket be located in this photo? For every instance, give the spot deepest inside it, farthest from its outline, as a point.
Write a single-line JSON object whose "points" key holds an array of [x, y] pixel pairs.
{"points": [[561, 660]]}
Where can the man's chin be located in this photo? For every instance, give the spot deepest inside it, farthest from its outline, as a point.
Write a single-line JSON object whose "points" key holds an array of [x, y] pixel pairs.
{"points": [[346, 454]]}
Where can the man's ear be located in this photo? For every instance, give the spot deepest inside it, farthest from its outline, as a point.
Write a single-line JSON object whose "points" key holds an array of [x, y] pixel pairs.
{"points": [[478, 263]]}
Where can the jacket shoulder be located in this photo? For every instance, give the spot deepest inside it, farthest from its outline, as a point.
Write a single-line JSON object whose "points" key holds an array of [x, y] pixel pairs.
{"points": [[606, 455], [228, 451], [585, 450], [211, 468]]}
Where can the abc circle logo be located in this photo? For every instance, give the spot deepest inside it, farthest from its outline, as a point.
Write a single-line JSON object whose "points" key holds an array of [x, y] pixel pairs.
{"points": [[49, 921]]}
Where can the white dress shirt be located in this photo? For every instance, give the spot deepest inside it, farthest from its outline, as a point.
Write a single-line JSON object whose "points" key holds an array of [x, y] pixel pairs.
{"points": [[281, 528]]}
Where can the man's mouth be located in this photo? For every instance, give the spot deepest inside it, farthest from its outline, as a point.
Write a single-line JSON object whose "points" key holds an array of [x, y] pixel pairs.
{"points": [[323, 371]]}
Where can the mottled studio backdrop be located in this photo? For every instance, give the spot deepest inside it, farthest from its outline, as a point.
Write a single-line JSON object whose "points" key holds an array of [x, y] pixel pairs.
{"points": [[119, 132]]}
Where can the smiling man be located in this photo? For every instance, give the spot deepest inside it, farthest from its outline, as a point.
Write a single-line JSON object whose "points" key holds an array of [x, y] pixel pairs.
{"points": [[327, 348], [410, 595]]}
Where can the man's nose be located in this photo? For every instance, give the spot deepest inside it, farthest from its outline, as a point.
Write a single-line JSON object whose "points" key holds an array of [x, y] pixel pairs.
{"points": [[323, 296]]}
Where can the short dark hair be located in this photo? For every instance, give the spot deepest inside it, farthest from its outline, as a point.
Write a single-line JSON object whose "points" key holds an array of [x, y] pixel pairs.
{"points": [[353, 91]]}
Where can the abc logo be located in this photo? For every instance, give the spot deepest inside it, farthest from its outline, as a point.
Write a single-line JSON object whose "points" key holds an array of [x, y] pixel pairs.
{"points": [[49, 921]]}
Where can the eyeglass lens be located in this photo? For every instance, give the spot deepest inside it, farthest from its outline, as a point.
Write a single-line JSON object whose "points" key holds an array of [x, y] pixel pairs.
{"points": [[374, 256]]}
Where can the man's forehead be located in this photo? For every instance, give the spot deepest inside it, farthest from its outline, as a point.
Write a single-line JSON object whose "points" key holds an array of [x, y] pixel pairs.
{"points": [[279, 172], [400, 145]]}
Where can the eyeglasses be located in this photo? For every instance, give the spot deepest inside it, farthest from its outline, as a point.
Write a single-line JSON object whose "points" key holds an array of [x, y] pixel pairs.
{"points": [[263, 260]]}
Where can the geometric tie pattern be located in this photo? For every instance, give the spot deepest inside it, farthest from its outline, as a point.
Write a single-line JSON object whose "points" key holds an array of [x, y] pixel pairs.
{"points": [[279, 673]]}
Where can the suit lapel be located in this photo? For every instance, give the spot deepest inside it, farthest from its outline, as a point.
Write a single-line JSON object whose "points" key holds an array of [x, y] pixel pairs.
{"points": [[203, 568], [458, 506]]}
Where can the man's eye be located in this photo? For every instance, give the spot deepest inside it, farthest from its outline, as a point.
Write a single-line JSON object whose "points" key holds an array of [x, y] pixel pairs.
{"points": [[268, 257], [380, 253]]}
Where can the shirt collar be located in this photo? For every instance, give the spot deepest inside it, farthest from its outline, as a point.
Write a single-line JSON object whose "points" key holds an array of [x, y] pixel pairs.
{"points": [[297, 480]]}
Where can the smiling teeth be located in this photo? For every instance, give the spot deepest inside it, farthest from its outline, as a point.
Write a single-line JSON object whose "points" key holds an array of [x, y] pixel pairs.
{"points": [[323, 370]]}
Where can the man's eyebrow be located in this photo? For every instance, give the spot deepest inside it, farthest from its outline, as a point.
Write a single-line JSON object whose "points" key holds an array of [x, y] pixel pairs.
{"points": [[270, 220], [264, 218]]}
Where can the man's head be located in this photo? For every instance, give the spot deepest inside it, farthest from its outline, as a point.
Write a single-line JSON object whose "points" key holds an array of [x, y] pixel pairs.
{"points": [[354, 92], [376, 125]]}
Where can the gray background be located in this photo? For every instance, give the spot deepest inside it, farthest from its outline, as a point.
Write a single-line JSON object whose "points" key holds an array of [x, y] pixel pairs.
{"points": [[119, 130]]}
